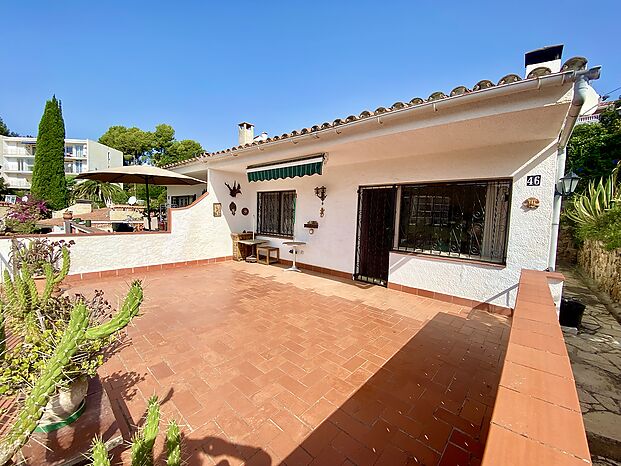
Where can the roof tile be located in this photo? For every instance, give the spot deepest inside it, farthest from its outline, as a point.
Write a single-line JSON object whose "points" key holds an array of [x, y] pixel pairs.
{"points": [[572, 64]]}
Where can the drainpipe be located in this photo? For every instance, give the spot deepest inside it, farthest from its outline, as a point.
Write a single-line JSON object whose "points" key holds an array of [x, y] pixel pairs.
{"points": [[581, 86]]}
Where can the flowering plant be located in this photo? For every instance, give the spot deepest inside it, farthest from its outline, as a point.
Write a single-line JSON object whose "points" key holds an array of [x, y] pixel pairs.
{"points": [[23, 215]]}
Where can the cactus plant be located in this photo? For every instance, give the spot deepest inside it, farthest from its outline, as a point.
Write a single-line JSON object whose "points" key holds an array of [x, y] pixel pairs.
{"points": [[143, 441], [128, 311], [45, 385], [2, 332], [76, 332], [173, 444]]}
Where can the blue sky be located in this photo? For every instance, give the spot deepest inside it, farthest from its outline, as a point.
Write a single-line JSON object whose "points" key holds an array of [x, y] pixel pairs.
{"points": [[202, 67]]}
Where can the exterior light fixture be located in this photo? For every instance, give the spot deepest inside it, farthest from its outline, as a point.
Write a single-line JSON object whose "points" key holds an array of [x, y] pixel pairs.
{"points": [[567, 184], [320, 192]]}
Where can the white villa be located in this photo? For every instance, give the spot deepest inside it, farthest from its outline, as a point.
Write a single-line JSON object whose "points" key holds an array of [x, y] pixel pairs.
{"points": [[448, 197], [18, 156]]}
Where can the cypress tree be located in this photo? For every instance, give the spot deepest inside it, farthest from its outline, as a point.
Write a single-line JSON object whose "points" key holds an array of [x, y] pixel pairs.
{"points": [[48, 176]]}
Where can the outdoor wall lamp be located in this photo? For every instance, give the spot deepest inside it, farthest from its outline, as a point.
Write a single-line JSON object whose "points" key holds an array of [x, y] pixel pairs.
{"points": [[321, 193], [567, 185]]}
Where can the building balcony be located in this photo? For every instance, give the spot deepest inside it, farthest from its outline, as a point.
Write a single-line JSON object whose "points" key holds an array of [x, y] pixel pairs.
{"points": [[586, 119]]}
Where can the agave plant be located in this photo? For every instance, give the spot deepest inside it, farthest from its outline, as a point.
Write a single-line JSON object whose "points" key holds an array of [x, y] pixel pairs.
{"points": [[598, 198]]}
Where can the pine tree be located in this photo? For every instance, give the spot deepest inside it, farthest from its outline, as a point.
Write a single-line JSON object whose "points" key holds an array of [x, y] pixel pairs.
{"points": [[48, 176]]}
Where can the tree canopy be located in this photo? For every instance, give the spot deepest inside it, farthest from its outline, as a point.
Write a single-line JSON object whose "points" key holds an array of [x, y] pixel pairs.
{"points": [[158, 147], [595, 149], [48, 175], [4, 129]]}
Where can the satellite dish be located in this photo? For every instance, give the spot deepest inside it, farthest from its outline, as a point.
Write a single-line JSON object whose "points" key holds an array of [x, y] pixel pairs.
{"points": [[131, 200]]}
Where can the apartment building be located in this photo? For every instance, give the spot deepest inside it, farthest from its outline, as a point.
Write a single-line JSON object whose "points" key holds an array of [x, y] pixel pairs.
{"points": [[18, 156]]}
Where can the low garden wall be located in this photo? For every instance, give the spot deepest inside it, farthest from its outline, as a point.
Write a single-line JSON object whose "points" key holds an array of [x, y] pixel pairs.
{"points": [[537, 418], [194, 236], [603, 266]]}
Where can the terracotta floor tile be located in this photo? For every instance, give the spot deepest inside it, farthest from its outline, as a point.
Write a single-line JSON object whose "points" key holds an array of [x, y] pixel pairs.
{"points": [[454, 456], [257, 376], [435, 434], [317, 413]]}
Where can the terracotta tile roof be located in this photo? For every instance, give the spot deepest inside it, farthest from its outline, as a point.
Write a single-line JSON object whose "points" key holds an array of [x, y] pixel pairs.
{"points": [[572, 64], [95, 215]]}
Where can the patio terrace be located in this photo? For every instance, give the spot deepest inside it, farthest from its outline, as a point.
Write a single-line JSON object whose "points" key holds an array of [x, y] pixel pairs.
{"points": [[266, 367]]}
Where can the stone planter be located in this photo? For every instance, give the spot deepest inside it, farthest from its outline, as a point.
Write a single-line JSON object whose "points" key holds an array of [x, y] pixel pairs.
{"points": [[64, 407]]}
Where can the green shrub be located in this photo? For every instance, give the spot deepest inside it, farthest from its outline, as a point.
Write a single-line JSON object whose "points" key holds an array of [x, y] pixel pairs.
{"points": [[606, 228]]}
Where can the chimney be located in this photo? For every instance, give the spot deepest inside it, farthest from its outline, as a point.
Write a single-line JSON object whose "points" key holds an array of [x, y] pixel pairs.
{"points": [[546, 57], [246, 133]]}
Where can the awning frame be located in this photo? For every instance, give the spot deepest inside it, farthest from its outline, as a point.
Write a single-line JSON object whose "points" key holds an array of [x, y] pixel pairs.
{"points": [[286, 168]]}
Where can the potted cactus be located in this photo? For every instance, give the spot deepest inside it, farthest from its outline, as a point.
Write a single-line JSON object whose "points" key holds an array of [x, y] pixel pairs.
{"points": [[77, 332], [41, 320]]}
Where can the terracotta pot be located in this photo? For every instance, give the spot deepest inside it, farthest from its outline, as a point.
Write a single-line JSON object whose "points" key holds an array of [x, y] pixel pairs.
{"points": [[67, 215], [64, 407]]}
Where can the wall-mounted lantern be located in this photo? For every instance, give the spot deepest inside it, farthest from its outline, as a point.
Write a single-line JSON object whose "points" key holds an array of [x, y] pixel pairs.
{"points": [[567, 185]]}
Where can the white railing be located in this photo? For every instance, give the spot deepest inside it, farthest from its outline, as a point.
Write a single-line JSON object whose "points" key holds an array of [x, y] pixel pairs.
{"points": [[585, 119]]}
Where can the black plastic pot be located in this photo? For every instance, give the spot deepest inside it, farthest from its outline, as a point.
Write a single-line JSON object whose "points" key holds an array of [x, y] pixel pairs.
{"points": [[571, 313]]}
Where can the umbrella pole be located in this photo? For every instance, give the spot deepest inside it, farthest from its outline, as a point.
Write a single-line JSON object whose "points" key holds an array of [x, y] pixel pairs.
{"points": [[148, 203]]}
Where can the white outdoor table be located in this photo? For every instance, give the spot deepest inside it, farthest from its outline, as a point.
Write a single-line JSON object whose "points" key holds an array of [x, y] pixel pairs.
{"points": [[294, 245]]}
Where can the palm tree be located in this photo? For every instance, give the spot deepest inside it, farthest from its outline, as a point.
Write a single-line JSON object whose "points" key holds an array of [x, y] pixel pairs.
{"points": [[96, 191]]}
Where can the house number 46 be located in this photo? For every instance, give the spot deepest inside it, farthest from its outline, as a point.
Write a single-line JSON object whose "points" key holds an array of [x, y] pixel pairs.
{"points": [[533, 180]]}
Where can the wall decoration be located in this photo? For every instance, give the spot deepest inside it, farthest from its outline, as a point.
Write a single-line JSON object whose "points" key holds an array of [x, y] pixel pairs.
{"points": [[321, 193], [217, 209], [531, 203], [235, 190], [233, 208], [245, 211]]}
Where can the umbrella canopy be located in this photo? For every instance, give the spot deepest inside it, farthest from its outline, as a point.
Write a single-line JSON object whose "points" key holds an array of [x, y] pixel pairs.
{"points": [[141, 174]]}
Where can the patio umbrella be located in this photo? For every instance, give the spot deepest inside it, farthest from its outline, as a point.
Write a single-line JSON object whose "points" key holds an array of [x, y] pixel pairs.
{"points": [[142, 174]]}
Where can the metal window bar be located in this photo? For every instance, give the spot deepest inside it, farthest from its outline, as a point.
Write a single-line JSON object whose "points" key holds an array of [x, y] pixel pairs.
{"points": [[464, 219], [276, 211]]}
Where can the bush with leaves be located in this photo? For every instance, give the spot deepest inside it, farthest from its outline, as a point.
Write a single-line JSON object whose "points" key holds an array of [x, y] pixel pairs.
{"points": [[607, 229], [22, 217]]}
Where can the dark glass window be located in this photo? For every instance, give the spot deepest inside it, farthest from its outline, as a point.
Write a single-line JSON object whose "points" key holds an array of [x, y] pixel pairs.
{"points": [[182, 201], [466, 219], [276, 213]]}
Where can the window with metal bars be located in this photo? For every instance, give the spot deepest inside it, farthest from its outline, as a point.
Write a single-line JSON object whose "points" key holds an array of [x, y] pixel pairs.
{"points": [[276, 213], [464, 219]]}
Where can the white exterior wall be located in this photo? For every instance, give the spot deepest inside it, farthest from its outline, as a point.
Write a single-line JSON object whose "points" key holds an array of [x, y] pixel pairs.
{"points": [[333, 244], [101, 157], [194, 235]]}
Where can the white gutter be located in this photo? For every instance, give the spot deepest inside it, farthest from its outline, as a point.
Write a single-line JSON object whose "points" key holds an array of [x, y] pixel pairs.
{"points": [[581, 86], [542, 82]]}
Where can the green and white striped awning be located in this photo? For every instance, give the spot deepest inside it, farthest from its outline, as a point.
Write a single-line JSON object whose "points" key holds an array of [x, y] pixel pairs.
{"points": [[286, 169]]}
